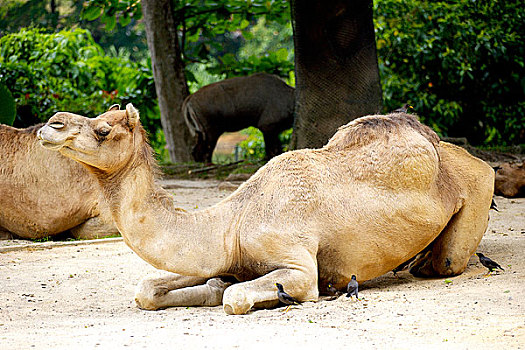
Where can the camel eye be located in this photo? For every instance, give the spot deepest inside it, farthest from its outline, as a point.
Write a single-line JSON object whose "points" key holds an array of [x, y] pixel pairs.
{"points": [[57, 125], [103, 132]]}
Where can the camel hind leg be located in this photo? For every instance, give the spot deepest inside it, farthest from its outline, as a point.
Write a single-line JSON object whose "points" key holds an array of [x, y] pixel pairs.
{"points": [[452, 249], [93, 228], [4, 234]]}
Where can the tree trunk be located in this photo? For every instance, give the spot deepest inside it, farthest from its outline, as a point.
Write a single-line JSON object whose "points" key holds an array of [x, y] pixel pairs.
{"points": [[168, 73], [337, 76]]}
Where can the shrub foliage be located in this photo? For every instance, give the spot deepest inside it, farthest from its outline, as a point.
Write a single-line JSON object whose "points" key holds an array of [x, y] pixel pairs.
{"points": [[68, 71], [461, 64]]}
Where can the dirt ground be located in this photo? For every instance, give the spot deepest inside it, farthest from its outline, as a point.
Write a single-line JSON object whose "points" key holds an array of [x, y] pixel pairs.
{"points": [[79, 295]]}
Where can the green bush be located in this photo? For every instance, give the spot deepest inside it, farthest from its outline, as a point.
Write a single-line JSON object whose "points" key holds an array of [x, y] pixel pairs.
{"points": [[266, 47], [68, 71], [7, 106], [253, 147], [461, 64]]}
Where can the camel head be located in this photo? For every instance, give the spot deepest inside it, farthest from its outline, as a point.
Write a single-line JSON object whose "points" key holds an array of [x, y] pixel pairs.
{"points": [[106, 142]]}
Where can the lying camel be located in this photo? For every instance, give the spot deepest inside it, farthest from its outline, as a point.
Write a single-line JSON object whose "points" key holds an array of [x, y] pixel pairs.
{"points": [[43, 193], [510, 180], [382, 190], [261, 100]]}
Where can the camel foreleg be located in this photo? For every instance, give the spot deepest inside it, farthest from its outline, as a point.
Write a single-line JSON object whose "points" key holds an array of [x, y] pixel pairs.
{"points": [[298, 281], [177, 290]]}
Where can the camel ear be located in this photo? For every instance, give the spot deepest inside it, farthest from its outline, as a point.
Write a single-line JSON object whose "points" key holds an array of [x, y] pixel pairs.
{"points": [[114, 108], [133, 115]]}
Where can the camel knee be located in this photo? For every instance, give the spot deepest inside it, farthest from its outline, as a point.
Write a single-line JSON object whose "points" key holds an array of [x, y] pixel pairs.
{"points": [[235, 301], [448, 266]]}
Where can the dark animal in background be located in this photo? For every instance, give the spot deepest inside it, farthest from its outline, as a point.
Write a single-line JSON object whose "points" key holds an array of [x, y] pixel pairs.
{"points": [[488, 263], [261, 100]]}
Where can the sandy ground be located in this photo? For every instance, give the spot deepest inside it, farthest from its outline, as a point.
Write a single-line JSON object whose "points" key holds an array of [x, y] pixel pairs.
{"points": [[80, 296]]}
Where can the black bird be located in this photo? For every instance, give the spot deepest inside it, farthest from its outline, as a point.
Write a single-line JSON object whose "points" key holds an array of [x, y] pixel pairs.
{"points": [[332, 290], [285, 298], [493, 205], [352, 288], [403, 109], [488, 263]]}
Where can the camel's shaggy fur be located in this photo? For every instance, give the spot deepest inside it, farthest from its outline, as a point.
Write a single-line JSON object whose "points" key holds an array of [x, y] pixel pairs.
{"points": [[381, 191], [44, 193]]}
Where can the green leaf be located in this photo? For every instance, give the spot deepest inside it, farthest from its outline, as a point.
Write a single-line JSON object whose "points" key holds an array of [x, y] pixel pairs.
{"points": [[7, 106], [124, 20], [282, 54], [110, 22], [244, 23], [190, 77], [91, 13]]}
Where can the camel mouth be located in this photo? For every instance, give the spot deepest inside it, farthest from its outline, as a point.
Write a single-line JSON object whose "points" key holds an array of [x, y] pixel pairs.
{"points": [[51, 145]]}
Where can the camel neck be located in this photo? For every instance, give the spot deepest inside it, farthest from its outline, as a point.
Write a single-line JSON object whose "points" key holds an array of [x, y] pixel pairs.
{"points": [[163, 235]]}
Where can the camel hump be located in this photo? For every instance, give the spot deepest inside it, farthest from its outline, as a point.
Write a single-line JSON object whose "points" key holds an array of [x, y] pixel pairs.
{"points": [[365, 130], [392, 151]]}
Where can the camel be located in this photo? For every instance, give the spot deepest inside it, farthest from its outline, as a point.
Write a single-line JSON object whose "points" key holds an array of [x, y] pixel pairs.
{"points": [[382, 190], [510, 180], [44, 193]]}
